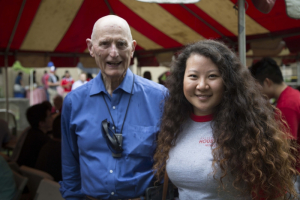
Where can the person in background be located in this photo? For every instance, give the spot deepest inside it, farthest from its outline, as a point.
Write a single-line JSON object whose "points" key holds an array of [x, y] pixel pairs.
{"points": [[163, 77], [80, 82], [19, 79], [53, 83], [220, 138], [66, 72], [92, 167], [33, 78], [268, 74], [57, 108], [89, 77], [147, 75], [67, 82], [8, 186], [44, 81], [49, 159], [19, 85], [40, 120]]}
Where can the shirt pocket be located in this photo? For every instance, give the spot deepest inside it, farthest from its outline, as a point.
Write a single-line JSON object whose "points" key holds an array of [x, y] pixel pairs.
{"points": [[139, 141]]}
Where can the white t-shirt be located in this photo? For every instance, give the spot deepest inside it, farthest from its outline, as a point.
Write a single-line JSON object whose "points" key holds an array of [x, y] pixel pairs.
{"points": [[78, 84], [190, 164]]}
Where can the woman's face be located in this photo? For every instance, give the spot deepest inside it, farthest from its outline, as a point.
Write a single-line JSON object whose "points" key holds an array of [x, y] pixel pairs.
{"points": [[202, 84]]}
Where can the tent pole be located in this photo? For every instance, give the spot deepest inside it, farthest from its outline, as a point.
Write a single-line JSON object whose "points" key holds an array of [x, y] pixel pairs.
{"points": [[31, 87], [6, 89], [6, 54], [242, 32]]}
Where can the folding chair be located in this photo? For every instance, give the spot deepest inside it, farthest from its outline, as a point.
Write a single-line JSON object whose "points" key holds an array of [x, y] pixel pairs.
{"points": [[21, 183], [12, 120], [19, 145], [48, 190], [34, 178]]}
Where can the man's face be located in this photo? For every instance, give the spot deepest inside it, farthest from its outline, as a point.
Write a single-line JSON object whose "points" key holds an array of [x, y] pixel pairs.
{"points": [[67, 75], [47, 124], [267, 90], [112, 48]]}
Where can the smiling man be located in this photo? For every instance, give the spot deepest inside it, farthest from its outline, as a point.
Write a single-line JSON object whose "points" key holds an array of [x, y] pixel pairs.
{"points": [[109, 125]]}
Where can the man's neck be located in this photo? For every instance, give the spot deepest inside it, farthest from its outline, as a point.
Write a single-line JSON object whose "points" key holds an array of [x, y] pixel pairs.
{"points": [[112, 83], [279, 88], [44, 130], [56, 139]]}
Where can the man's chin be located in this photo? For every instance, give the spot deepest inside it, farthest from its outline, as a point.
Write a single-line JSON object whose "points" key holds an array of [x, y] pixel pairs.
{"points": [[114, 74]]}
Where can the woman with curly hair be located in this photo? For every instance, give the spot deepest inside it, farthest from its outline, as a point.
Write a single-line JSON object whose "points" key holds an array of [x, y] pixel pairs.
{"points": [[219, 136]]}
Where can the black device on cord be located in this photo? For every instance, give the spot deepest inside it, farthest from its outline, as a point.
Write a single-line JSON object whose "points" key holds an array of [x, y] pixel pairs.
{"points": [[114, 141]]}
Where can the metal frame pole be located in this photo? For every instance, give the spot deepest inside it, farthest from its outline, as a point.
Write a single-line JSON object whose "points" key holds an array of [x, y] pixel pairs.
{"points": [[6, 89], [6, 55], [242, 32]]}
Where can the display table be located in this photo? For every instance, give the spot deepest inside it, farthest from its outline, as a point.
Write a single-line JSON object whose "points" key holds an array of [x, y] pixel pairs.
{"points": [[38, 96]]}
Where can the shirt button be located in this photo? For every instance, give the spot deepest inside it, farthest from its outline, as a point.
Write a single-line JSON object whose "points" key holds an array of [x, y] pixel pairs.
{"points": [[112, 193], [114, 107], [111, 171], [113, 128]]}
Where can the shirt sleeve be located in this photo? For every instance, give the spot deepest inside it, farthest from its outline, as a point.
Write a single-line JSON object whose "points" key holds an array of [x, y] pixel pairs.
{"points": [[71, 183], [291, 117]]}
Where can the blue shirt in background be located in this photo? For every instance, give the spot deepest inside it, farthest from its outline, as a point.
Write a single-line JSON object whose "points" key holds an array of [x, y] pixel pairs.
{"points": [[18, 80], [88, 167]]}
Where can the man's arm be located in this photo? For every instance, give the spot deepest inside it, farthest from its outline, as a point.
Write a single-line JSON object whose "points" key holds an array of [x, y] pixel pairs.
{"points": [[53, 84], [71, 183]]}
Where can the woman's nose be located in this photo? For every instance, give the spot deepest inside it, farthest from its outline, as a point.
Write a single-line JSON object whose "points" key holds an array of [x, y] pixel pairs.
{"points": [[202, 85]]}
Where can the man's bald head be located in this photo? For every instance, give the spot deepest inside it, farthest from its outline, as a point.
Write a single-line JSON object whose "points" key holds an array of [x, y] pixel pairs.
{"points": [[108, 21]]}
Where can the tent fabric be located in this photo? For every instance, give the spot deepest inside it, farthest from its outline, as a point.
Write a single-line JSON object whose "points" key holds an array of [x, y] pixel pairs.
{"points": [[57, 30]]}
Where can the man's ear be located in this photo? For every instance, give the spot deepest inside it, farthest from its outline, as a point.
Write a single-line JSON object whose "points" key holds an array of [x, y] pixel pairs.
{"points": [[134, 43], [90, 46], [268, 82]]}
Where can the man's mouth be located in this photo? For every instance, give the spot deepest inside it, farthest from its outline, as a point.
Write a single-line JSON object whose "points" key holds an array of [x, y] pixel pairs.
{"points": [[114, 63]]}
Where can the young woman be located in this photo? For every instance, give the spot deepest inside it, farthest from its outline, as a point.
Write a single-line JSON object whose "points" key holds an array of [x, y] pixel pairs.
{"points": [[219, 136]]}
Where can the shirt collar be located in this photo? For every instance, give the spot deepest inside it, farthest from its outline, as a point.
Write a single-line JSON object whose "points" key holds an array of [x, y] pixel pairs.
{"points": [[126, 84], [205, 118]]}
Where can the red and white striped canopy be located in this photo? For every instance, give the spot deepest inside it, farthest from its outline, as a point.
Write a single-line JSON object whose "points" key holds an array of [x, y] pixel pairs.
{"points": [[56, 30]]}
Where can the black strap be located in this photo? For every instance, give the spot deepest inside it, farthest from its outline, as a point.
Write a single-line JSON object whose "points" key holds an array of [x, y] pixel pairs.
{"points": [[114, 142], [126, 108]]}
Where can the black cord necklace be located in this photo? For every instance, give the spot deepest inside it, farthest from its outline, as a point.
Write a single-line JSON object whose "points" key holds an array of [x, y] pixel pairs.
{"points": [[115, 143]]}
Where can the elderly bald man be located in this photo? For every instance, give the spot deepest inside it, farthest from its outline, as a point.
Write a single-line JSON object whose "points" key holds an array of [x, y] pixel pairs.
{"points": [[109, 125]]}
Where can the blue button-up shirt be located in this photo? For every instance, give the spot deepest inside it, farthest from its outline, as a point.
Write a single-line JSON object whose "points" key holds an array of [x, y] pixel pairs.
{"points": [[88, 167]]}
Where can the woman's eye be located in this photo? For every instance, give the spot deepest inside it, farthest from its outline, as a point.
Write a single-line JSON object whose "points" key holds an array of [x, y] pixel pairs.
{"points": [[212, 76], [193, 76]]}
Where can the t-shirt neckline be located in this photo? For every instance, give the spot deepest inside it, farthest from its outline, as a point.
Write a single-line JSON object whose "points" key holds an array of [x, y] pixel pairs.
{"points": [[205, 118]]}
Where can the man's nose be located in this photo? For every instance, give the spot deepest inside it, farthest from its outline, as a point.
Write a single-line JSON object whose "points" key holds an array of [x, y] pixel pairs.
{"points": [[113, 51]]}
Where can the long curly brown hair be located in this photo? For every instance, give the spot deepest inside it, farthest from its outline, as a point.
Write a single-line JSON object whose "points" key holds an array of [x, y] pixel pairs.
{"points": [[250, 138]]}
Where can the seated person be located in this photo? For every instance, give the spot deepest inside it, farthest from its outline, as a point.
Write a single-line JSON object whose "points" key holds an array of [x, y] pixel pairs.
{"points": [[49, 159], [40, 120], [7, 182]]}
